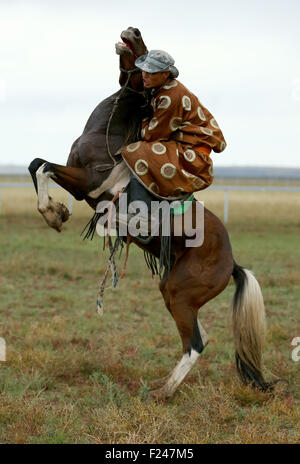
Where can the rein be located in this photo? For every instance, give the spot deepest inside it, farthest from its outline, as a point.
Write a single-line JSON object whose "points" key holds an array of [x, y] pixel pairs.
{"points": [[129, 73]]}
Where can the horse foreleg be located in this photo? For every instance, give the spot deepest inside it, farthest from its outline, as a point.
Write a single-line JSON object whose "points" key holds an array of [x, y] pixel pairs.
{"points": [[54, 213], [77, 181]]}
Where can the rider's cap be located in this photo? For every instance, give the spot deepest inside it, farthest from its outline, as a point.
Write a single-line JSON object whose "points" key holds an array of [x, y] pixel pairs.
{"points": [[157, 61]]}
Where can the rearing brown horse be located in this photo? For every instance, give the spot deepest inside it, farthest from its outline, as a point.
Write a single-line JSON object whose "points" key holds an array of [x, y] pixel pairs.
{"points": [[198, 274]]}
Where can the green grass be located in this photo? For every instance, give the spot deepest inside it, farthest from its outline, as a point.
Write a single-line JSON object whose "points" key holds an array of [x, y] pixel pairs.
{"points": [[74, 377]]}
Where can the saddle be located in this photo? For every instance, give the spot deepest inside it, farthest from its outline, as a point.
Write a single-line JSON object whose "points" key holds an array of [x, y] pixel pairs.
{"points": [[136, 191]]}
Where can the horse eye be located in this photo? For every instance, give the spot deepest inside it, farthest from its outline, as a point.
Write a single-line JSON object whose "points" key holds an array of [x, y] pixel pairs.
{"points": [[137, 32]]}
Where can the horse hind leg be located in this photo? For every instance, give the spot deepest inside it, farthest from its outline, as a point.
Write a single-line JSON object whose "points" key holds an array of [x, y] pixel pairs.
{"points": [[188, 289], [199, 338], [171, 381], [194, 339], [193, 336]]}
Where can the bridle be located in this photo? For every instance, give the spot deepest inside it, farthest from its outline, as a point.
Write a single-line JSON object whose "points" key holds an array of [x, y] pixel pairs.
{"points": [[117, 160]]}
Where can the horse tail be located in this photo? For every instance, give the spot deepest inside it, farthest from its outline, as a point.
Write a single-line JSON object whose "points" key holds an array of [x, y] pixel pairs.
{"points": [[248, 328]]}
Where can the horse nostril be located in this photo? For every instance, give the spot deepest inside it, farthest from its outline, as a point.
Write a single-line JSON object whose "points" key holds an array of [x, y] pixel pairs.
{"points": [[137, 32]]}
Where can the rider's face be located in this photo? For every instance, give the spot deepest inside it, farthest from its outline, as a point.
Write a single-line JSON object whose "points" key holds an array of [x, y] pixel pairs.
{"points": [[154, 79]]}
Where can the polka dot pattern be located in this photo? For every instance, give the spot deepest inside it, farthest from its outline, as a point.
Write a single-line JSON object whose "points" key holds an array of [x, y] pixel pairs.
{"points": [[214, 123], [164, 102], [175, 123], [186, 103], [187, 174], [173, 160], [206, 131], [189, 155], [133, 146], [154, 187], [158, 148], [168, 170], [170, 85], [222, 146], [185, 124], [141, 167], [201, 113], [153, 124]]}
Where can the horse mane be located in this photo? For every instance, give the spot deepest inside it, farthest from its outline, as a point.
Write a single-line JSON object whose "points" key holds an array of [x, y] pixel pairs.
{"points": [[135, 123]]}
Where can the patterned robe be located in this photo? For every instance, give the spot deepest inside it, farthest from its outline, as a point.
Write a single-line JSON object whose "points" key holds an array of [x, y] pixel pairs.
{"points": [[172, 157]]}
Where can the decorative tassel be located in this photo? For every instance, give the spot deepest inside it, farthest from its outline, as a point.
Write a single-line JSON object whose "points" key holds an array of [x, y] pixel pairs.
{"points": [[128, 241]]}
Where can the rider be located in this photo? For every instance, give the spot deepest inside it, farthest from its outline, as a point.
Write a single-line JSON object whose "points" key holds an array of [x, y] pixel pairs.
{"points": [[173, 156]]}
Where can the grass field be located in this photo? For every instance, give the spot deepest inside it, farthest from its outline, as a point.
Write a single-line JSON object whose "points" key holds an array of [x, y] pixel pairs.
{"points": [[74, 377]]}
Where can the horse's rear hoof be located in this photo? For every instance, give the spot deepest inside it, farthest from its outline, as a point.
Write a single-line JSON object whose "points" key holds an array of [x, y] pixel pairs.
{"points": [[159, 395], [158, 383]]}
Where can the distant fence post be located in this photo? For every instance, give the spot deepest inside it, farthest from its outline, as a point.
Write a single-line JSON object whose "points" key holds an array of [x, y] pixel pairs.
{"points": [[0, 200], [70, 203], [226, 205]]}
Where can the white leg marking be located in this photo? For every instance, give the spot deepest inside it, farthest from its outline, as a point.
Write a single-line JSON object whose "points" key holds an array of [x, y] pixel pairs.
{"points": [[181, 370], [118, 178], [203, 334], [42, 182], [184, 366]]}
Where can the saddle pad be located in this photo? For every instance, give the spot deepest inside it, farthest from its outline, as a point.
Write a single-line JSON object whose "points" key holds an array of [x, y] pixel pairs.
{"points": [[183, 207]]}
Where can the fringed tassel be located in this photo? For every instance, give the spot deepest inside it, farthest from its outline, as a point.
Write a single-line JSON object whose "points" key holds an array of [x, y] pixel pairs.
{"points": [[151, 262], [165, 261], [128, 241], [91, 226], [109, 217], [111, 265], [165, 251]]}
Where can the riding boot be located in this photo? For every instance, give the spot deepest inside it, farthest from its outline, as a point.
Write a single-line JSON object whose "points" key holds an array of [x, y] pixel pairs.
{"points": [[147, 222]]}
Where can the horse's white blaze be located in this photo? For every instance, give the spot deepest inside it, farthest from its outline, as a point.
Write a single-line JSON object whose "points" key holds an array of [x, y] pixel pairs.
{"points": [[181, 370], [118, 178], [42, 183]]}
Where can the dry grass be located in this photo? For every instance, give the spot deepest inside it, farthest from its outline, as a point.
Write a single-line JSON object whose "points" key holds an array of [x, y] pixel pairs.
{"points": [[72, 377]]}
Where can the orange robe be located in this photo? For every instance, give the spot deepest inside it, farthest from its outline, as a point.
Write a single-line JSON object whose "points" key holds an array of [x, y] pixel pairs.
{"points": [[172, 157]]}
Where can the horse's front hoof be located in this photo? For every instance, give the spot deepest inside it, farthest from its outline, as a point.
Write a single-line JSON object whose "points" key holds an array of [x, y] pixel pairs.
{"points": [[64, 212], [55, 214]]}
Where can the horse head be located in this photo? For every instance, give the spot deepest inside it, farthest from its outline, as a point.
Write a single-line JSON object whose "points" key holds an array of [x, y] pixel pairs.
{"points": [[131, 47]]}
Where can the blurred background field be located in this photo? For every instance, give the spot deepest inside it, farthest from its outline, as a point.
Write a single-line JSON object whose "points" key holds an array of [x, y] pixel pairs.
{"points": [[270, 207], [73, 377]]}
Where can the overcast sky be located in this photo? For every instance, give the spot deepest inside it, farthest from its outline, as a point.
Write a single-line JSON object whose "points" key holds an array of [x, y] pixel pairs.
{"points": [[241, 58]]}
